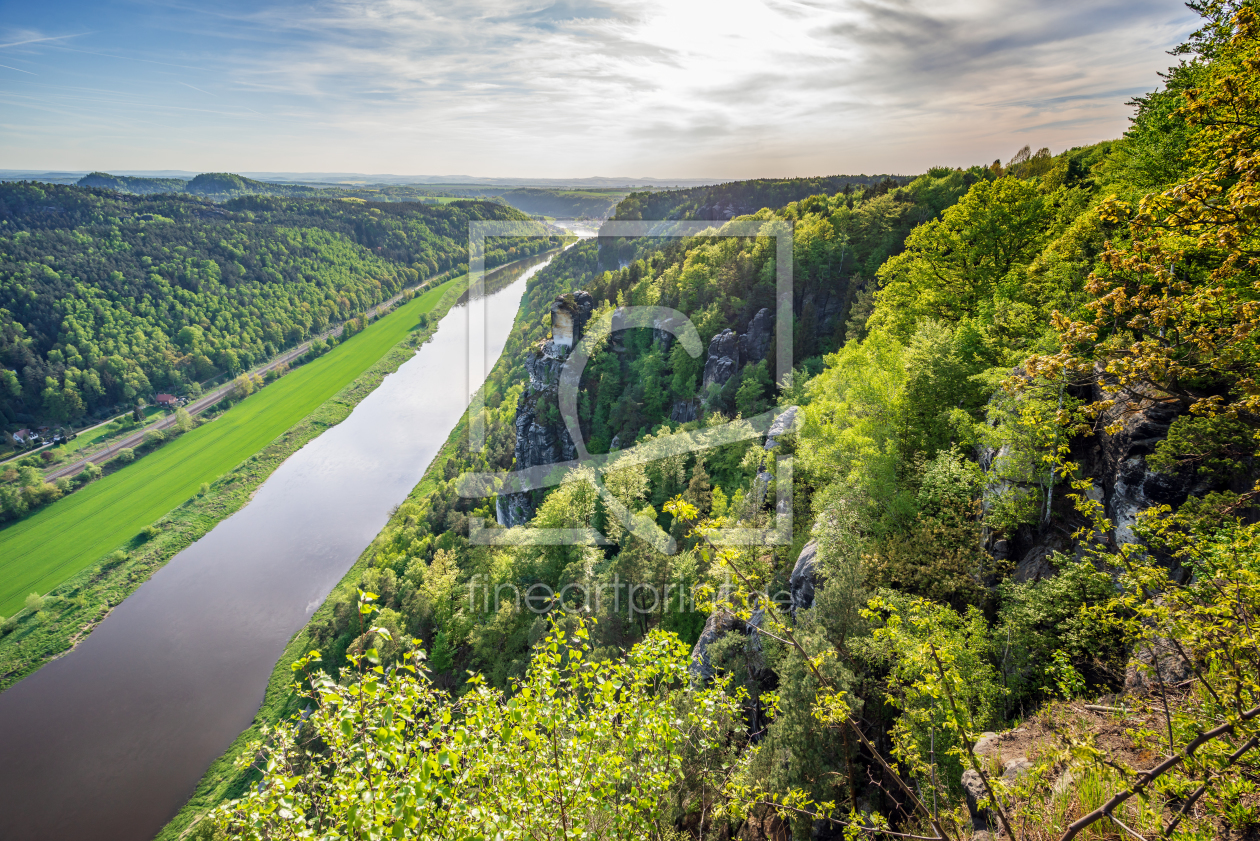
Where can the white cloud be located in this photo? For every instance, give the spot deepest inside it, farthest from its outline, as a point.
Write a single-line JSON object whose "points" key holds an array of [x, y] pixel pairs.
{"points": [[739, 88]]}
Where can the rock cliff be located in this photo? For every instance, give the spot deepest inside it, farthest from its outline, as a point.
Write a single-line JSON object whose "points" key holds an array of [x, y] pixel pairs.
{"points": [[541, 437]]}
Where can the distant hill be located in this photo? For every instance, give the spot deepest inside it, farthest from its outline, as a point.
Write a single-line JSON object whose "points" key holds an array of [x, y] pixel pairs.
{"points": [[211, 185], [132, 184], [597, 204], [227, 183], [738, 198]]}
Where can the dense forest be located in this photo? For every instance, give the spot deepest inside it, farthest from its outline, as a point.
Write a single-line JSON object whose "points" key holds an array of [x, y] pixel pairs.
{"points": [[1023, 474], [106, 297], [724, 201], [214, 185], [224, 186], [572, 204]]}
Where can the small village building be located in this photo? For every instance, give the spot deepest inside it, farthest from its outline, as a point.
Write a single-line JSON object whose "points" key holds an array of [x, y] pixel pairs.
{"points": [[167, 401]]}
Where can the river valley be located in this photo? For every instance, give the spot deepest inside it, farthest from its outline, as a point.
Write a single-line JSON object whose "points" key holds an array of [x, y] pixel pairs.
{"points": [[107, 742]]}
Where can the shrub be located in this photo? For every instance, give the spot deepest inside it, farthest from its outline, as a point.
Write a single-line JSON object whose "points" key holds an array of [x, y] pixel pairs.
{"points": [[204, 489], [154, 437], [149, 532], [183, 420], [603, 716], [35, 602], [242, 387], [127, 455]]}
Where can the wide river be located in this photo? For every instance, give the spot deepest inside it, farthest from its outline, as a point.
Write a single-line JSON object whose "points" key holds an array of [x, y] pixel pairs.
{"points": [[108, 742]]}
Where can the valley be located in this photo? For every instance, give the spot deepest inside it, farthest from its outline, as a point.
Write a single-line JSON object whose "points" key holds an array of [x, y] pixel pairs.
{"points": [[922, 504], [225, 606]]}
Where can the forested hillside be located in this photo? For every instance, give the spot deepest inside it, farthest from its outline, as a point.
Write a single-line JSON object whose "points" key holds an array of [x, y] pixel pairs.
{"points": [[725, 201], [1021, 582], [105, 298], [224, 186], [570, 204], [219, 186]]}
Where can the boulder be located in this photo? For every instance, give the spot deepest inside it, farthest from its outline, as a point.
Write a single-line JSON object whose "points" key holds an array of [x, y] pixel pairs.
{"points": [[720, 623], [986, 744], [974, 792], [1014, 768]]}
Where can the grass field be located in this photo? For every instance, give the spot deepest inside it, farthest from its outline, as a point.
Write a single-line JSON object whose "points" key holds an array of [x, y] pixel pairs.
{"points": [[40, 552]]}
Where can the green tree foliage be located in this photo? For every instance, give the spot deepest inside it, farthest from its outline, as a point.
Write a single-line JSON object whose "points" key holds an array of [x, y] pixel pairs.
{"points": [[108, 297], [943, 387], [584, 747]]}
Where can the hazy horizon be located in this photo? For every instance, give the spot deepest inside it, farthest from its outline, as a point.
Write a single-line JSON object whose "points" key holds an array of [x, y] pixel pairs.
{"points": [[554, 89]]}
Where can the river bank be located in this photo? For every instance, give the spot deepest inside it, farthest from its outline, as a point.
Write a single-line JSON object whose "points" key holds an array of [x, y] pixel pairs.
{"points": [[225, 780], [82, 600], [109, 741], [74, 608]]}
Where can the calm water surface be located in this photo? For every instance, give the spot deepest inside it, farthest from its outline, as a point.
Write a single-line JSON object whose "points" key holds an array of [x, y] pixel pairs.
{"points": [[107, 743]]}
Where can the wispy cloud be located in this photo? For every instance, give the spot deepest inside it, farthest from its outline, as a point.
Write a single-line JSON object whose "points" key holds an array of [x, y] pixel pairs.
{"points": [[574, 87]]}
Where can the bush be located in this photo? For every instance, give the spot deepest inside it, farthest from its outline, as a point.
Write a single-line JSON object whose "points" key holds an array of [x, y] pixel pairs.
{"points": [[204, 489], [242, 387], [35, 602], [115, 559], [127, 455], [149, 532], [183, 420], [154, 437]]}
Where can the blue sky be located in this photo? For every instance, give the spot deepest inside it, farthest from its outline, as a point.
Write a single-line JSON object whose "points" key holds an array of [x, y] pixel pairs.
{"points": [[729, 89]]}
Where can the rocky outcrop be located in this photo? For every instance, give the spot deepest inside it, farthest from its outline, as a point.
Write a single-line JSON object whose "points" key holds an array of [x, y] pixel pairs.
{"points": [[723, 359], [569, 314], [754, 345], [804, 578], [684, 411], [1114, 457], [975, 793], [1155, 662], [539, 442], [719, 624], [784, 424], [729, 351], [1129, 432]]}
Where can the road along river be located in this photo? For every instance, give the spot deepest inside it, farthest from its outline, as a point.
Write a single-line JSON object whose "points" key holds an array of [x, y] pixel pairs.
{"points": [[109, 741]]}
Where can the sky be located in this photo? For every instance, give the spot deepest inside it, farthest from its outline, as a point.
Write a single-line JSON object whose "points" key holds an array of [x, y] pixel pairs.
{"points": [[572, 88]]}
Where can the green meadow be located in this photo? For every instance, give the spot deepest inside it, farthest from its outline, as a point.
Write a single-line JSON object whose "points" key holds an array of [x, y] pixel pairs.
{"points": [[40, 552]]}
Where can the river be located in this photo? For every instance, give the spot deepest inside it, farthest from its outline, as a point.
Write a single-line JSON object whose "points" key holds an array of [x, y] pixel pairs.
{"points": [[108, 742]]}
